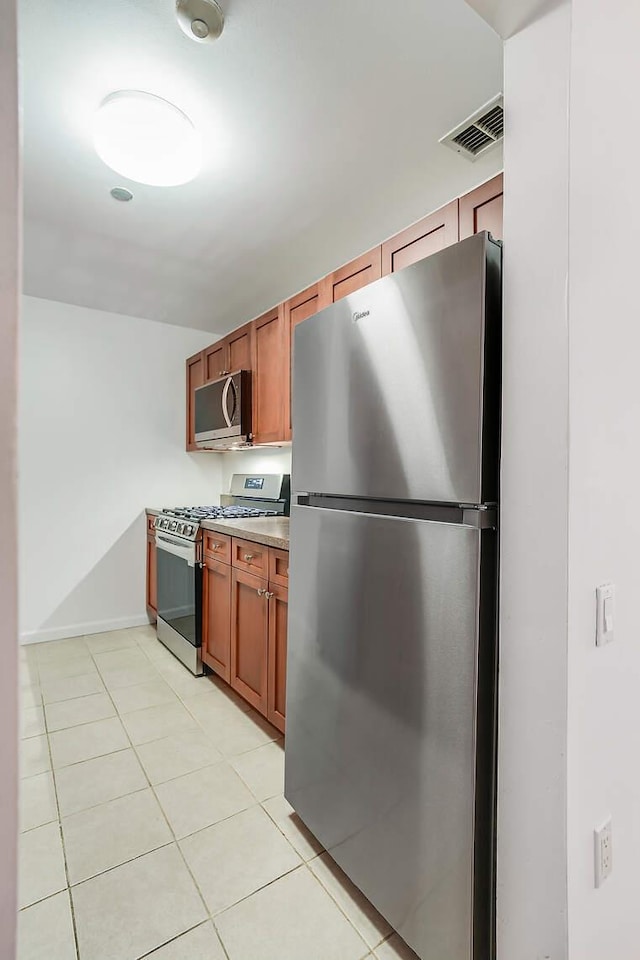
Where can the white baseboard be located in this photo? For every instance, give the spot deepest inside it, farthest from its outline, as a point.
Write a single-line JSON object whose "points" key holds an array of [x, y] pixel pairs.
{"points": [[84, 629]]}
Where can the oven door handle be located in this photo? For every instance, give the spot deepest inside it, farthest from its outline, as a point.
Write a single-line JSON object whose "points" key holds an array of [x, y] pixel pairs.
{"points": [[225, 395], [184, 551]]}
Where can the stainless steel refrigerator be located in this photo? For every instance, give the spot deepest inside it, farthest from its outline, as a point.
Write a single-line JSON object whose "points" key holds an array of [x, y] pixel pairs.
{"points": [[391, 673]]}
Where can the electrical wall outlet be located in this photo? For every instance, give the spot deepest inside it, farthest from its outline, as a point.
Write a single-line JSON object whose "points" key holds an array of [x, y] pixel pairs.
{"points": [[603, 853]]}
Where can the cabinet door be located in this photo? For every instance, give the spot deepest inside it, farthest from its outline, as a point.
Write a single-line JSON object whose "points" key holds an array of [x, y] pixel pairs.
{"points": [[152, 577], [296, 310], [277, 683], [249, 638], [482, 209], [216, 611], [432, 233], [279, 566], [268, 378], [239, 348], [215, 360], [195, 378], [352, 276]]}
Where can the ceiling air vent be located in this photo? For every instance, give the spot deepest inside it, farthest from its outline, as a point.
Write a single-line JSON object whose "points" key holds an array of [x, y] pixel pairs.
{"points": [[479, 132]]}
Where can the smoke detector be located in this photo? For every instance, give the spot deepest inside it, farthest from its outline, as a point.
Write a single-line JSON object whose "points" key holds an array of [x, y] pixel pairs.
{"points": [[201, 20], [479, 132]]}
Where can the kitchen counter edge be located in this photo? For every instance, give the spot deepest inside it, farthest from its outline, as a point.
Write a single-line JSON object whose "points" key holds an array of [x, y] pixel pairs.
{"points": [[270, 531]]}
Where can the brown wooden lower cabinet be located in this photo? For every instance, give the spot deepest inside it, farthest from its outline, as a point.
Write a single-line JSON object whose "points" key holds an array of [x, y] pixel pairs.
{"points": [[216, 616], [244, 627], [277, 655], [249, 637], [152, 571]]}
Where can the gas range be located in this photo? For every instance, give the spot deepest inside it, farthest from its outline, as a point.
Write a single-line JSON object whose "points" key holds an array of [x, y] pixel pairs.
{"points": [[251, 495], [185, 521], [179, 557]]}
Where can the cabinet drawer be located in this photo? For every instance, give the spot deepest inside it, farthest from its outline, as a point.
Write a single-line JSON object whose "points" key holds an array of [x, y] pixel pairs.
{"points": [[151, 524], [251, 557], [279, 566], [217, 546]]}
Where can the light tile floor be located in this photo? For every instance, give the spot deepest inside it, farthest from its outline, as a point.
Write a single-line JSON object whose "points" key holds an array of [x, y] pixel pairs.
{"points": [[153, 822]]}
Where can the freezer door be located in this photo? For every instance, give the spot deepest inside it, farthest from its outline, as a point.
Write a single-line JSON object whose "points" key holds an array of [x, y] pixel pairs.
{"points": [[394, 393], [381, 714]]}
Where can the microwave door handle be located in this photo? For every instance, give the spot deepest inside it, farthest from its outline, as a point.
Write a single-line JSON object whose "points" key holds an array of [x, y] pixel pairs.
{"points": [[235, 400], [225, 394]]}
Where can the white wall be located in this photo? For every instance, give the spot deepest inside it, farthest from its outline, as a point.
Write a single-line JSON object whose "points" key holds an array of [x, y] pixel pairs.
{"points": [[532, 898], [9, 287], [570, 712], [263, 460], [604, 524], [102, 433]]}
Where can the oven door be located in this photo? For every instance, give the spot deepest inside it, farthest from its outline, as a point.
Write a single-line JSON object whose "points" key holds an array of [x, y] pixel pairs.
{"points": [[223, 410], [180, 599]]}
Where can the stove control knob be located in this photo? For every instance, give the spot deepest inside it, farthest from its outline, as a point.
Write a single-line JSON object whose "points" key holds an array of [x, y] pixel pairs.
{"points": [[179, 527], [188, 529]]}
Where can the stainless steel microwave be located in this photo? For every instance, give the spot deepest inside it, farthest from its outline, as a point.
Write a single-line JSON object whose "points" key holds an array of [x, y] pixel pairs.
{"points": [[223, 411]]}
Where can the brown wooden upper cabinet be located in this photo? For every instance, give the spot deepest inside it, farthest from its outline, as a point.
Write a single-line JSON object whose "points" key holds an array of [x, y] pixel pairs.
{"points": [[427, 236], [268, 378], [230, 354], [352, 276], [297, 309], [215, 358], [195, 378], [482, 209], [239, 349], [265, 345]]}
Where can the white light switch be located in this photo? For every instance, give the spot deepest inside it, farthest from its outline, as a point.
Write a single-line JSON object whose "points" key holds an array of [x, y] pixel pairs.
{"points": [[605, 604]]}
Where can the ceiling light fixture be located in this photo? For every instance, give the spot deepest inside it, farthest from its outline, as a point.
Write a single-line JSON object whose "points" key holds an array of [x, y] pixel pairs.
{"points": [[201, 20], [147, 139]]}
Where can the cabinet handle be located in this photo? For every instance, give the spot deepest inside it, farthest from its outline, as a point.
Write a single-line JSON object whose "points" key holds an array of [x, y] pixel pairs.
{"points": [[268, 595], [249, 557], [216, 546], [261, 591]]}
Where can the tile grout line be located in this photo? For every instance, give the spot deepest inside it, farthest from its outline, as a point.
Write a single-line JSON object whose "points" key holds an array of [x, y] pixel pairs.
{"points": [[55, 783], [177, 841], [229, 760], [203, 923], [64, 849], [170, 828]]}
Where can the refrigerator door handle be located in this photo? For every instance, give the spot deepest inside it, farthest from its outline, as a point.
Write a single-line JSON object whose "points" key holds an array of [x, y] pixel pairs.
{"points": [[482, 516]]}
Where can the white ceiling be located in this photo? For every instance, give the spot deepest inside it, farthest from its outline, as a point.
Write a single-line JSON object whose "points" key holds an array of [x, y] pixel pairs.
{"points": [[321, 124]]}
